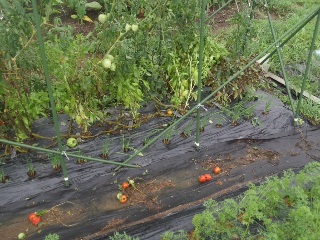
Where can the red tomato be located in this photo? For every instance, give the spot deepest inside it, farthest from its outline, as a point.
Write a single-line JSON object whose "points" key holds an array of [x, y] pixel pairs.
{"points": [[32, 216], [125, 185], [202, 179], [34, 219], [208, 177], [123, 199], [216, 170]]}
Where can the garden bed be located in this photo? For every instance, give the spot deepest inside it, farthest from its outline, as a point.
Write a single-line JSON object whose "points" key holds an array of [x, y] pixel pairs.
{"points": [[167, 177]]}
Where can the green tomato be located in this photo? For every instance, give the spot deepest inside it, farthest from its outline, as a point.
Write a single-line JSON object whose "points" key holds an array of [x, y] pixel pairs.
{"points": [[102, 18], [113, 67], [109, 56], [134, 27], [128, 27], [106, 63], [22, 236], [66, 108], [78, 119], [72, 142]]}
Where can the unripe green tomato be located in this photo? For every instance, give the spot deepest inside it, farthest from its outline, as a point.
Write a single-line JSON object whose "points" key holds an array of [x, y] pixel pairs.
{"points": [[66, 108], [134, 27], [128, 27], [22, 236], [109, 56], [78, 120], [113, 67], [106, 63], [102, 18]]}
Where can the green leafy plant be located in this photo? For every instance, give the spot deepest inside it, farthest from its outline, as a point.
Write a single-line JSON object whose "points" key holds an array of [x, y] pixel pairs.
{"points": [[187, 131], [267, 108], [52, 236], [81, 160], [31, 172], [55, 162], [126, 144], [239, 110], [285, 207], [121, 236], [180, 235], [106, 148], [168, 136], [3, 177]]}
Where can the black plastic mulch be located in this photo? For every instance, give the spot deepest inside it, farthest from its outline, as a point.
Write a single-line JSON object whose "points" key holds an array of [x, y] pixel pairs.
{"points": [[167, 177]]}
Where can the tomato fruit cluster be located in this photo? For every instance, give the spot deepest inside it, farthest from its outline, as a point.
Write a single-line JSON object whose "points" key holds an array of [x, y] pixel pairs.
{"points": [[205, 178], [34, 219]]}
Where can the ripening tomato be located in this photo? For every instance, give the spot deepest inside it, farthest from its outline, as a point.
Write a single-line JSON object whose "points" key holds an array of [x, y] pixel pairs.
{"points": [[208, 177], [123, 198], [202, 179], [169, 112], [125, 185], [216, 170]]}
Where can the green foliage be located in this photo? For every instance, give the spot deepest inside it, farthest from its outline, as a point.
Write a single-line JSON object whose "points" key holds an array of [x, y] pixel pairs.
{"points": [[121, 236], [280, 208], [311, 111], [180, 235], [53, 236]]}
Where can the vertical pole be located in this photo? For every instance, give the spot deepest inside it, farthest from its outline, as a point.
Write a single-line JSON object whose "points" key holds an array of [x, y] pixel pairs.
{"points": [[46, 73], [201, 49], [306, 74], [248, 27], [278, 48]]}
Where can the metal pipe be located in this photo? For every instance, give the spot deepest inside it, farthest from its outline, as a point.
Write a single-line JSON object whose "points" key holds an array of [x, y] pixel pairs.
{"points": [[65, 153], [315, 35], [280, 58], [201, 50], [48, 82]]}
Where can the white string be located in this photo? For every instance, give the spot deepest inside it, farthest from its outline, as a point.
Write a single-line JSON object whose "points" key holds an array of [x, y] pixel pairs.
{"points": [[65, 154], [202, 106]]}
